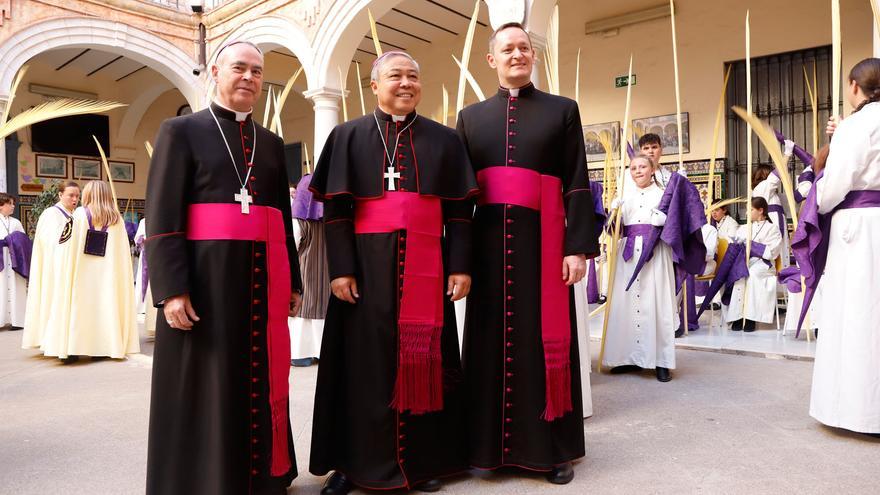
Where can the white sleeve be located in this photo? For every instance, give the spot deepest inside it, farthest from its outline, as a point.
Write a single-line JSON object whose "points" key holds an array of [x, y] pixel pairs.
{"points": [[804, 188], [15, 226], [849, 148], [710, 240], [772, 240]]}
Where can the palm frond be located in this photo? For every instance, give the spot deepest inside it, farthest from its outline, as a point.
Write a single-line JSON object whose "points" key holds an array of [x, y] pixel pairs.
{"points": [[472, 82], [375, 34], [106, 169], [12, 92], [149, 149], [53, 109], [466, 57]]}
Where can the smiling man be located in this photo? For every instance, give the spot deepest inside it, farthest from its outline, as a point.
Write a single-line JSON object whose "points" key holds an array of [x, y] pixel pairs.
{"points": [[397, 191], [223, 265], [533, 229]]}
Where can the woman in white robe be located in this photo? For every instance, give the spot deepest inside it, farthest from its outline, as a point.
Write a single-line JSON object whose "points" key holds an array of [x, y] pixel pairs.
{"points": [[96, 314], [13, 287], [643, 319], [54, 228], [846, 374], [759, 288]]}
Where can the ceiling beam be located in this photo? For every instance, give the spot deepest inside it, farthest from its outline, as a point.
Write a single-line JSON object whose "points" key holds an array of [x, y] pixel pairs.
{"points": [[103, 66], [425, 21], [454, 11], [80, 54]]}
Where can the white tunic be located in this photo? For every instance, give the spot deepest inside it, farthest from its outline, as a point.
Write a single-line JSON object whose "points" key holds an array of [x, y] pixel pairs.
{"points": [[582, 310], [727, 228], [13, 287], [846, 374], [769, 189], [642, 323], [760, 304]]}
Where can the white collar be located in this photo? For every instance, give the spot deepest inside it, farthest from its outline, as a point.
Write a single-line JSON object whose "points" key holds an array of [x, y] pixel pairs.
{"points": [[514, 92], [398, 118], [239, 116]]}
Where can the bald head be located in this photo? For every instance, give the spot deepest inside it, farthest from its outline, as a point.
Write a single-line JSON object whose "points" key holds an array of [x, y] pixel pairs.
{"points": [[238, 74]]}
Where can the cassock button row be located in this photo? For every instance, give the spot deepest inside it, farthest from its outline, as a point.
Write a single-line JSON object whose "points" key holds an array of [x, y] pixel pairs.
{"points": [[257, 270], [254, 472], [256, 301], [506, 450], [254, 411], [255, 364], [255, 348], [254, 426], [510, 282], [255, 333], [510, 313], [247, 150], [258, 255], [509, 375], [510, 160], [254, 440], [508, 420], [253, 178], [509, 360], [510, 236], [256, 317], [507, 435], [255, 380], [508, 405], [510, 267], [509, 220], [510, 344], [510, 251], [509, 329], [511, 133], [510, 298], [257, 286]]}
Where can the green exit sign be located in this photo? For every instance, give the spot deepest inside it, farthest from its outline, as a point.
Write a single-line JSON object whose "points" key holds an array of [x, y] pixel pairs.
{"points": [[620, 81]]}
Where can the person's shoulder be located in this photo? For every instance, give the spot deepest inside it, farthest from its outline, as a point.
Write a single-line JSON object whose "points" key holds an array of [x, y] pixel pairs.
{"points": [[556, 100], [437, 128], [480, 106]]}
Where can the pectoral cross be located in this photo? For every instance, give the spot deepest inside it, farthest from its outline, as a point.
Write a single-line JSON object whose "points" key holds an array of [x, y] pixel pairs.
{"points": [[391, 175], [245, 199]]}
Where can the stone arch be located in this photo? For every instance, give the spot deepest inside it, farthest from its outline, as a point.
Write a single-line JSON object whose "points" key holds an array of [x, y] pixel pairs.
{"points": [[136, 110], [89, 32], [270, 32], [339, 34]]}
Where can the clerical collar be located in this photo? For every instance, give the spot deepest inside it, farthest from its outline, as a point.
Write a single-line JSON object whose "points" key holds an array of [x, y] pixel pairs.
{"points": [[516, 92], [229, 114], [395, 118]]}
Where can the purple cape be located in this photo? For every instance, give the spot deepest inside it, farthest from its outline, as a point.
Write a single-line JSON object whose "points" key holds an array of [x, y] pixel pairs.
{"points": [[798, 151], [790, 277], [305, 207], [131, 228], [20, 249], [145, 277], [732, 268], [601, 217], [684, 217]]}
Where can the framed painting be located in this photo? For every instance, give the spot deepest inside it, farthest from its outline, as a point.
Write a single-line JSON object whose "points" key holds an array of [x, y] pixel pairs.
{"points": [[594, 149], [86, 169], [666, 127], [121, 171], [51, 166]]}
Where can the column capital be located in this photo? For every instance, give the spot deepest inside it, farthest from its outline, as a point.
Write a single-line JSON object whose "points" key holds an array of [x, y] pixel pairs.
{"points": [[324, 95], [503, 11], [539, 42]]}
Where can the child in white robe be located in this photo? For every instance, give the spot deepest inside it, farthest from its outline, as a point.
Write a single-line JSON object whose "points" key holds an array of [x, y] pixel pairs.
{"points": [[754, 297], [766, 184], [846, 373], [643, 319], [13, 287]]}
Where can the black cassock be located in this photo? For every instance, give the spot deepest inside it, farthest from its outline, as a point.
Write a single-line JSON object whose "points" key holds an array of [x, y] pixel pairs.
{"points": [[503, 354], [356, 431], [210, 430]]}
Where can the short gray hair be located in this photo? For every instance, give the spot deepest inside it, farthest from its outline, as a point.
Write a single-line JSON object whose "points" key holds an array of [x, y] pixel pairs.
{"points": [[384, 58], [504, 26]]}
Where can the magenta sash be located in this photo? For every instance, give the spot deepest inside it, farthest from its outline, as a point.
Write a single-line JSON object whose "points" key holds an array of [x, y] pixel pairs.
{"points": [[419, 384], [529, 189], [222, 221]]}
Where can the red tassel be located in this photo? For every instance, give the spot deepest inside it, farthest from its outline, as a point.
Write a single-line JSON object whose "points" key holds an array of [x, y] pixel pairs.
{"points": [[419, 385], [280, 456], [558, 383]]}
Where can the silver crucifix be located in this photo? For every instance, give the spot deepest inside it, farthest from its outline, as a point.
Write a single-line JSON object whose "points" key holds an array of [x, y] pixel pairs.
{"points": [[245, 199], [391, 175]]}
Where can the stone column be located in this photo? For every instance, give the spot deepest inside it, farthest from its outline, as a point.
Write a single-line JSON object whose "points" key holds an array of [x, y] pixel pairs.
{"points": [[4, 187], [876, 38], [326, 103], [539, 43]]}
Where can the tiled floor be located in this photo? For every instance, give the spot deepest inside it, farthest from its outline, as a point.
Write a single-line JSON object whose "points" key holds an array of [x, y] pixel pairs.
{"points": [[765, 342]]}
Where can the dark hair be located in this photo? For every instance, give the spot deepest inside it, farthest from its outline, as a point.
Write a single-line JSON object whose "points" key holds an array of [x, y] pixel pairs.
{"points": [[760, 203], [6, 199], [867, 75], [821, 158], [504, 26], [650, 138], [760, 173]]}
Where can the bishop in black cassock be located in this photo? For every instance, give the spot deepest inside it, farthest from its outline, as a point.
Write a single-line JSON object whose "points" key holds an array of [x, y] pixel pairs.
{"points": [[219, 421], [388, 408], [535, 209]]}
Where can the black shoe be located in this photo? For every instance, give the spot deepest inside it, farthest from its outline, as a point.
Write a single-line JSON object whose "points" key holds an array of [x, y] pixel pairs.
{"points": [[337, 484], [303, 362], [679, 333], [429, 486], [70, 359], [815, 333], [12, 328], [749, 326], [561, 475], [716, 307], [737, 325], [663, 374], [628, 368], [602, 300]]}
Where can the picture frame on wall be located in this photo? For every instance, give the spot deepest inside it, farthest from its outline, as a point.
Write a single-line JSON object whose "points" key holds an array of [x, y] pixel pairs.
{"points": [[594, 149], [86, 169], [121, 171], [666, 127], [51, 166]]}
